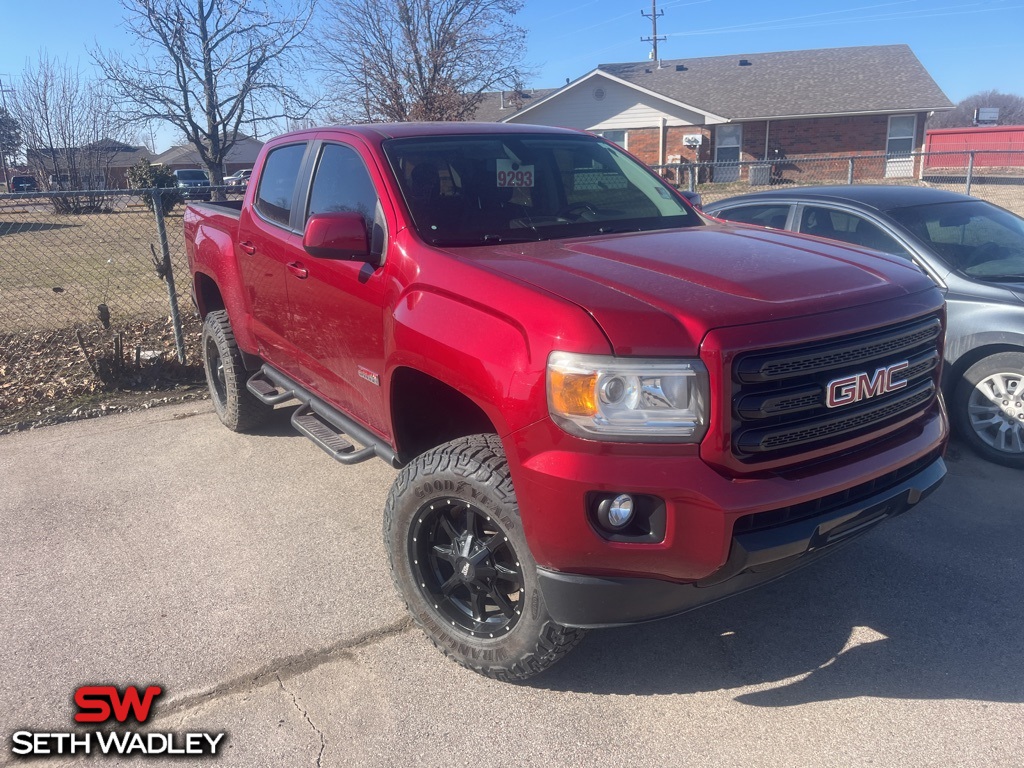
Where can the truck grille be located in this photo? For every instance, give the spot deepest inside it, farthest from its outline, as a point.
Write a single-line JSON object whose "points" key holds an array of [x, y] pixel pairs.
{"points": [[782, 406]]}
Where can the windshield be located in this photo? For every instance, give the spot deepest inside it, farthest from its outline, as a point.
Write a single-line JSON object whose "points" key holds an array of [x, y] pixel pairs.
{"points": [[973, 237], [192, 175], [475, 190]]}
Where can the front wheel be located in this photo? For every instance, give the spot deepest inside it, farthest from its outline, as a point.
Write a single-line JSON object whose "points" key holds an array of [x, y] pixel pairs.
{"points": [[460, 560], [988, 408]]}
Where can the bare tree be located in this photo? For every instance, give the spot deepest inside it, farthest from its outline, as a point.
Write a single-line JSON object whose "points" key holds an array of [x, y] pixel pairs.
{"points": [[70, 135], [402, 60], [210, 68], [10, 141], [1011, 110]]}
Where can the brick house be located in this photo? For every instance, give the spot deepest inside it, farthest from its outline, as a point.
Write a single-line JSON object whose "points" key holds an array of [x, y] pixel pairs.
{"points": [[102, 164], [747, 108]]}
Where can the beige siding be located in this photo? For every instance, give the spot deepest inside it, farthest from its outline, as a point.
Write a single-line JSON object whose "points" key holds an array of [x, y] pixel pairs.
{"points": [[622, 107]]}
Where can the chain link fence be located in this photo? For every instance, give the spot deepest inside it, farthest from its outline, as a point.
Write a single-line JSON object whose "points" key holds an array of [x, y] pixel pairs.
{"points": [[88, 301], [993, 175]]}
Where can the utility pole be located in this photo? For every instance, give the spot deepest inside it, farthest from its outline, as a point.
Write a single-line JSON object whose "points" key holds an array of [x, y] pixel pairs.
{"points": [[3, 159], [653, 39]]}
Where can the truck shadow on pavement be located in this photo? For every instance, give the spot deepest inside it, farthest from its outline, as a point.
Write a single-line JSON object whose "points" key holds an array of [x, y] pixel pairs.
{"points": [[279, 424], [925, 607]]}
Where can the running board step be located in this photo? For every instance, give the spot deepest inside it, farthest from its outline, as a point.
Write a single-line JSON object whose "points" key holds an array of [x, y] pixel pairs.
{"points": [[328, 437], [266, 391]]}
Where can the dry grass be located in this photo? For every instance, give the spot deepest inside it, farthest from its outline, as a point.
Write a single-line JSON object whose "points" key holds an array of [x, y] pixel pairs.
{"points": [[56, 270], [83, 310]]}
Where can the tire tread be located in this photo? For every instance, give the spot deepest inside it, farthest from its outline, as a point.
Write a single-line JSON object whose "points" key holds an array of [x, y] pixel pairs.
{"points": [[241, 411], [482, 459]]}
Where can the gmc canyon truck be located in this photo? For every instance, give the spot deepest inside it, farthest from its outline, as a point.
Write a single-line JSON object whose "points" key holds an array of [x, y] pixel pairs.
{"points": [[605, 408]]}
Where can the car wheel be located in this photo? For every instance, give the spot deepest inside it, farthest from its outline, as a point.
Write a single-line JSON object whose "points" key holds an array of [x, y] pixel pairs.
{"points": [[237, 408], [460, 560], [988, 408]]}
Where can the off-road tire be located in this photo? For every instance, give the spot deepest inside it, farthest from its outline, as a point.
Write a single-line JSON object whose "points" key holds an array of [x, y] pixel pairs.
{"points": [[496, 626], [988, 408], [237, 408]]}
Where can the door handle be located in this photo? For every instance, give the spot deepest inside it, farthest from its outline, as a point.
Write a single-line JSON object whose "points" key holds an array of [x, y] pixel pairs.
{"points": [[296, 268], [248, 247]]}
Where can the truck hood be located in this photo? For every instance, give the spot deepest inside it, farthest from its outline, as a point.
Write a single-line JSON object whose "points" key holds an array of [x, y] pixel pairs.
{"points": [[658, 293]]}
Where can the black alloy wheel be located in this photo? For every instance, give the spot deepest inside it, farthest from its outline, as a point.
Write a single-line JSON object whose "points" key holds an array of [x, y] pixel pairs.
{"points": [[466, 567]]}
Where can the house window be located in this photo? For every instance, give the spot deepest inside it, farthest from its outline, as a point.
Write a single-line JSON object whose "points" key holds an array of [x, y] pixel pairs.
{"points": [[899, 144], [728, 140], [618, 137]]}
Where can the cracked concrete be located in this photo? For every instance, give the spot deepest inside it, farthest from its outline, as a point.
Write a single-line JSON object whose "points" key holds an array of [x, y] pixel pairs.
{"points": [[280, 669], [246, 576], [305, 714]]}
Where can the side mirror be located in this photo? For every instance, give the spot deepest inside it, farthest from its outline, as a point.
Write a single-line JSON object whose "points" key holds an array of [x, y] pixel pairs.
{"points": [[337, 236]]}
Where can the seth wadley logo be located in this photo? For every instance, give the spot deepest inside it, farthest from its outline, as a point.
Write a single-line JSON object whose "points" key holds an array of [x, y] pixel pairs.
{"points": [[101, 703]]}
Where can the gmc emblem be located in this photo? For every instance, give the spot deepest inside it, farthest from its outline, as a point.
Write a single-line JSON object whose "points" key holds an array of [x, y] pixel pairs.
{"points": [[860, 386]]}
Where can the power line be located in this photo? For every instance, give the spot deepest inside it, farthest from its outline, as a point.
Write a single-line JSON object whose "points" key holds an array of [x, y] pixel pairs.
{"points": [[654, 15]]}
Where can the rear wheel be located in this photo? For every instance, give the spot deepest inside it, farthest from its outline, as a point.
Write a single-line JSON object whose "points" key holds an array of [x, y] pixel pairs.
{"points": [[460, 560], [988, 408], [237, 408]]}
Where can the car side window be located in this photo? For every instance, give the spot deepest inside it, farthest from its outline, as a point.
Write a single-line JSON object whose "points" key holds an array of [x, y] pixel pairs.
{"points": [[277, 183], [763, 215], [341, 183], [849, 228]]}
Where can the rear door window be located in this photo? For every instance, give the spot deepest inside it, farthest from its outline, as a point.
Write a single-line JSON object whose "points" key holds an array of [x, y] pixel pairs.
{"points": [[277, 183]]}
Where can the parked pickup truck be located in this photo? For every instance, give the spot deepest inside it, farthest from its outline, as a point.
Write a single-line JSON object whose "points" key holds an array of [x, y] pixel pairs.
{"points": [[605, 409]]}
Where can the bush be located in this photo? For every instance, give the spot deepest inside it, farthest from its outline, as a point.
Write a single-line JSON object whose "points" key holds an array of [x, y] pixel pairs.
{"points": [[143, 175]]}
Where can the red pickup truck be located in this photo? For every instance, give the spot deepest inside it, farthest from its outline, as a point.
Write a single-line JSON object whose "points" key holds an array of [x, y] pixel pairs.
{"points": [[606, 409]]}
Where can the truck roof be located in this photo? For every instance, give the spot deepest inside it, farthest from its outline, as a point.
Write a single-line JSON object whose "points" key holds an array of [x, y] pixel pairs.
{"points": [[380, 131]]}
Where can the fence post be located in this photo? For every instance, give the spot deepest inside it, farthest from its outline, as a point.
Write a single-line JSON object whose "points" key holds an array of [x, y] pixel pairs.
{"points": [[693, 186], [970, 172], [849, 174], [165, 249]]}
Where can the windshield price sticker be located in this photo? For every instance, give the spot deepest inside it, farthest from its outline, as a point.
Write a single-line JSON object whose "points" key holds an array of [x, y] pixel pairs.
{"points": [[512, 174]]}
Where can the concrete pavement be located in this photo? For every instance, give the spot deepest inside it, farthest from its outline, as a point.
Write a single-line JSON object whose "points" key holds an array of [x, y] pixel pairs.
{"points": [[246, 576]]}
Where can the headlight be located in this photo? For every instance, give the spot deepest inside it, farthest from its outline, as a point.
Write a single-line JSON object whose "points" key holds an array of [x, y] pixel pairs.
{"points": [[639, 399]]}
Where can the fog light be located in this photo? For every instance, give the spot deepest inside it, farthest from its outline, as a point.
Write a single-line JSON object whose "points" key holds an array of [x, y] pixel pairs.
{"points": [[615, 514]]}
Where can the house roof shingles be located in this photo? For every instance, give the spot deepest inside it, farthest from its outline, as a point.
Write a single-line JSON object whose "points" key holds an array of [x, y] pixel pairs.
{"points": [[245, 150], [497, 105], [828, 81]]}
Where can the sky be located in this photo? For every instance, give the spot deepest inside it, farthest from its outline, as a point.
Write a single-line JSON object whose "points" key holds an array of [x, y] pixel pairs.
{"points": [[967, 47]]}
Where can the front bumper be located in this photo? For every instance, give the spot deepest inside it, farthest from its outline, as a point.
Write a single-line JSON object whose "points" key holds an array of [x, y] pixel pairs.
{"points": [[577, 600]]}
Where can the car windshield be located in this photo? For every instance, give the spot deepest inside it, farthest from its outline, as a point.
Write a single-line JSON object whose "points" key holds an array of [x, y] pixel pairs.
{"points": [[477, 190], [973, 237], [192, 175]]}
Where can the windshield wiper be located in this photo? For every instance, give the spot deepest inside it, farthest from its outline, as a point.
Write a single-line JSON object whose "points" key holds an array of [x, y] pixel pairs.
{"points": [[502, 239], [618, 230]]}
